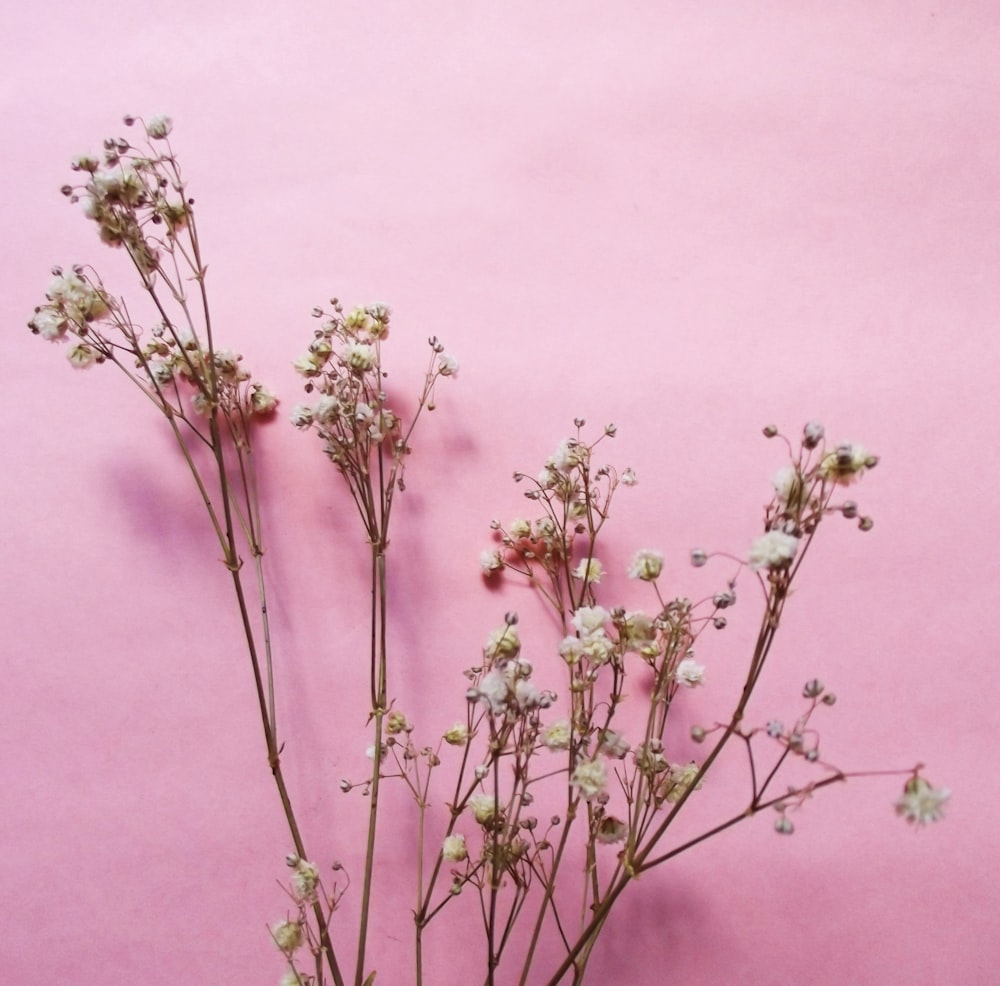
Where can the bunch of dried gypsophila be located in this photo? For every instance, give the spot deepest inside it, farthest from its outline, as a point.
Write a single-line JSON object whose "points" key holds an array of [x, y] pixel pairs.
{"points": [[560, 797]]}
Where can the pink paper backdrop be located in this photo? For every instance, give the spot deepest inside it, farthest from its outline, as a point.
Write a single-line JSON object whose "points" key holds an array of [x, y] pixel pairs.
{"points": [[691, 219]]}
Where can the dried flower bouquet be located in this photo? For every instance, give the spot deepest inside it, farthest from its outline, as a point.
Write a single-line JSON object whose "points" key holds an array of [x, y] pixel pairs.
{"points": [[555, 799]]}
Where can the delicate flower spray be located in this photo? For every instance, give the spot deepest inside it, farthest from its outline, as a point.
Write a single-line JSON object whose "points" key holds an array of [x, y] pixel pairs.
{"points": [[564, 794]]}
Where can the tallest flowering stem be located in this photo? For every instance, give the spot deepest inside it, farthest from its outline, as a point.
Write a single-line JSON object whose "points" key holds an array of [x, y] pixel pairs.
{"points": [[139, 201]]}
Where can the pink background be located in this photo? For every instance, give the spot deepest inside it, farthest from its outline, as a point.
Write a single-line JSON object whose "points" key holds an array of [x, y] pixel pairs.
{"points": [[691, 219]]}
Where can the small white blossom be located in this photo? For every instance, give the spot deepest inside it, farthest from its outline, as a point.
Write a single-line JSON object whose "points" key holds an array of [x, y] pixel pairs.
{"points": [[788, 485], [921, 803], [454, 849], [614, 744], [82, 355], [590, 778], [447, 365], [359, 356], [287, 935], [570, 453], [646, 565], [483, 808], [262, 400], [307, 365], [587, 619], [490, 562], [845, 463], [49, 324], [458, 735], [690, 673], [628, 478], [775, 549], [571, 650], [591, 570], [301, 416], [680, 780], [494, 691], [80, 300], [159, 127], [556, 735], [503, 642], [305, 879]]}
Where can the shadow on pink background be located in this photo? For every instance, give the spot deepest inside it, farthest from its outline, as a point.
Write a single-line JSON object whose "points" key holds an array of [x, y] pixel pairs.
{"points": [[691, 221]]}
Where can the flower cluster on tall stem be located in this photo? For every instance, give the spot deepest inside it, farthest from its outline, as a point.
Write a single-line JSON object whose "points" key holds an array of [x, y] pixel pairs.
{"points": [[368, 442]]}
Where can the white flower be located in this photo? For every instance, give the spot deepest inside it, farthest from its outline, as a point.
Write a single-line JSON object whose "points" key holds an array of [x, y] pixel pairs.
{"points": [[396, 722], [597, 647], [359, 356], [301, 416], [921, 803], [646, 565], [458, 735], [490, 562], [81, 355], [453, 849], [447, 365], [570, 453], [82, 302], [326, 410], [483, 808], [307, 365], [845, 463], [120, 184], [775, 549], [591, 570], [503, 642], [526, 694], [262, 401], [788, 485], [287, 935], [638, 629], [590, 778], [571, 649], [680, 780], [628, 478], [690, 673], [159, 127], [614, 744], [305, 879], [494, 691], [555, 736], [49, 324], [588, 619]]}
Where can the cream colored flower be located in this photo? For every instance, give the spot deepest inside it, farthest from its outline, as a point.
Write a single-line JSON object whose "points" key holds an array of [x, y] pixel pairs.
{"points": [[483, 808], [454, 849], [287, 935], [556, 735], [775, 549], [646, 565], [921, 803], [590, 778], [458, 735]]}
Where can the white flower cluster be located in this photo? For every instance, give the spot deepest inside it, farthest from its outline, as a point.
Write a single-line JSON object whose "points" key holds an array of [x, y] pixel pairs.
{"points": [[591, 642], [130, 192], [506, 688], [343, 365]]}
